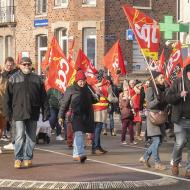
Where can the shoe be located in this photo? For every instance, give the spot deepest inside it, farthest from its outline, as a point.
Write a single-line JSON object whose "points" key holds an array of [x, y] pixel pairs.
{"points": [[81, 159], [5, 139], [171, 163], [134, 143], [18, 164], [9, 146], [145, 162], [123, 142], [59, 138], [27, 163], [104, 132], [102, 150], [175, 169], [113, 133], [187, 174], [160, 167], [139, 138], [97, 152]]}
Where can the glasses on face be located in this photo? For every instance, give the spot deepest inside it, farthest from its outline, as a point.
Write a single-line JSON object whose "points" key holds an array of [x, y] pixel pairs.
{"points": [[26, 64]]}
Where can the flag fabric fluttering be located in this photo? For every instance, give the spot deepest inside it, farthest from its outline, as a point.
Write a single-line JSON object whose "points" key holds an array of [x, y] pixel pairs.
{"points": [[84, 64], [175, 63], [56, 67], [71, 50], [146, 31], [114, 62], [161, 63]]}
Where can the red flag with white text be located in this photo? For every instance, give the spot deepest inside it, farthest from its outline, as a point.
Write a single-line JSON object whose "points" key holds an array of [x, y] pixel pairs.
{"points": [[175, 63], [114, 62], [56, 67], [84, 63], [146, 31]]}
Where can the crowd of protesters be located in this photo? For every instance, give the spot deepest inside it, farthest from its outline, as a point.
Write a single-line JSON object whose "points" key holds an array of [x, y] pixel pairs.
{"points": [[85, 109]]}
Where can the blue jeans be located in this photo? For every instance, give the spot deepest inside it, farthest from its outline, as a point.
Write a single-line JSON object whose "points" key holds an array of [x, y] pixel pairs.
{"points": [[25, 139], [154, 149], [182, 134], [53, 120], [111, 122], [96, 143], [78, 149]]}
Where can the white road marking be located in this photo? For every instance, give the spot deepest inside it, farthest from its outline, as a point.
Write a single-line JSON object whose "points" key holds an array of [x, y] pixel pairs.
{"points": [[119, 166]]}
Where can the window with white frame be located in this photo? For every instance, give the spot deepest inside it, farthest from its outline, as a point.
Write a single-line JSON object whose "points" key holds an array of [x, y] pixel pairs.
{"points": [[8, 46], [89, 44], [1, 48], [41, 7], [89, 2], [60, 3], [142, 4], [41, 50], [62, 38]]}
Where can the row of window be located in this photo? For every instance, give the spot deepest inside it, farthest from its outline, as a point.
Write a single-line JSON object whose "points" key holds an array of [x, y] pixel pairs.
{"points": [[41, 5], [89, 45]]}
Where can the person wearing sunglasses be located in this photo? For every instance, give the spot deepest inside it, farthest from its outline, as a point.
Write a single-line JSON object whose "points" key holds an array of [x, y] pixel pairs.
{"points": [[25, 95]]}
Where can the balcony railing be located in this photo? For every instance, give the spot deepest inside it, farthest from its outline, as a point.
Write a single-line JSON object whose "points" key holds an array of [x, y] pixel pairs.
{"points": [[7, 14]]}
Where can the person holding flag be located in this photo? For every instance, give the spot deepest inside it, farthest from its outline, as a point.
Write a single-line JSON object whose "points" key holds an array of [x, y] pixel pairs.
{"points": [[100, 110], [78, 98], [178, 96]]}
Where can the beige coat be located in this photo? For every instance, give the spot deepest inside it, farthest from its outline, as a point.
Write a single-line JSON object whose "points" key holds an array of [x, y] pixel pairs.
{"points": [[101, 116], [2, 92]]}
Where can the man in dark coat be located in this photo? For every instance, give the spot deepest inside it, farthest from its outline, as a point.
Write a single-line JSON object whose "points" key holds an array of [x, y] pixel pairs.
{"points": [[78, 98], [179, 97], [24, 97]]}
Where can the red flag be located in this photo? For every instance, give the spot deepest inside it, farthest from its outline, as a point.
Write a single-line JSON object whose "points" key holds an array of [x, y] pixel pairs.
{"points": [[57, 68], [175, 63], [186, 61], [161, 63], [84, 63], [146, 31], [114, 62]]}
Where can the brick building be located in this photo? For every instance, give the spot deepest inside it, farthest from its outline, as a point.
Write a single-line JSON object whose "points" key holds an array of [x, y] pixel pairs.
{"points": [[27, 26]]}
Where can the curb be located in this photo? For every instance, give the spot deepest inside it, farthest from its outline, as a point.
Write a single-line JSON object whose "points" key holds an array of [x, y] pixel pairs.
{"points": [[23, 184]]}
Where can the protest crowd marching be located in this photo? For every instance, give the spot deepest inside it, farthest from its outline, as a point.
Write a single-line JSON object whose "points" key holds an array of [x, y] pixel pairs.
{"points": [[77, 100]]}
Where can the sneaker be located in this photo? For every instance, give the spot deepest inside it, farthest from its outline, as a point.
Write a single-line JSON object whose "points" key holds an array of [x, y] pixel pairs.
{"points": [[59, 138], [171, 163], [5, 139], [123, 142], [102, 150], [113, 133], [104, 132], [17, 164], [139, 138], [160, 167], [175, 169], [97, 152], [145, 162], [134, 143], [9, 146], [27, 163]]}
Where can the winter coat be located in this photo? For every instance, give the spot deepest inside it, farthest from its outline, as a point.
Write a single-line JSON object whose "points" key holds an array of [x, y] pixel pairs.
{"points": [[180, 108], [125, 108], [24, 96], [2, 92], [54, 97], [154, 103], [80, 101]]}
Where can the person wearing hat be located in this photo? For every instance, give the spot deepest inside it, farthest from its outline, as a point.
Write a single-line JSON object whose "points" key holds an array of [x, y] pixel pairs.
{"points": [[78, 98], [155, 103], [25, 95], [178, 95]]}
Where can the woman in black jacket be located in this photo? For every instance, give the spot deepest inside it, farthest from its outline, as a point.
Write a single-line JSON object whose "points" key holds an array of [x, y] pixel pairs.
{"points": [[78, 99]]}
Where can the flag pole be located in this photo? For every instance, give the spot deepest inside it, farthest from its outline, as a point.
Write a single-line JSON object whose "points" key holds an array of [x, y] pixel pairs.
{"points": [[150, 72]]}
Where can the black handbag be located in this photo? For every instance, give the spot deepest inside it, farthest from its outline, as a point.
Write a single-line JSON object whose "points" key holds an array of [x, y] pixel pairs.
{"points": [[158, 118]]}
